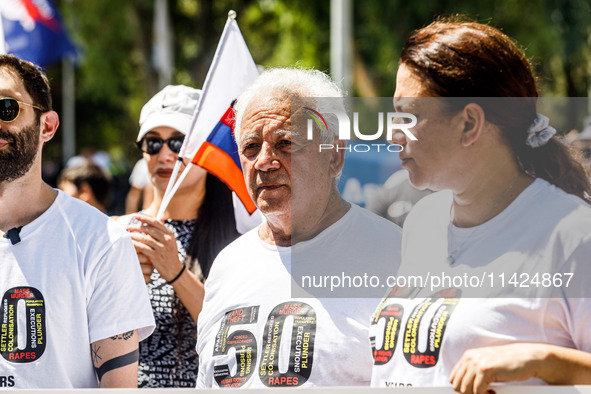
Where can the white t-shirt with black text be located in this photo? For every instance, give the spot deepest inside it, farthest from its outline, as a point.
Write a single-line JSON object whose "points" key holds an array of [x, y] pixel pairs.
{"points": [[542, 238], [72, 280], [254, 333]]}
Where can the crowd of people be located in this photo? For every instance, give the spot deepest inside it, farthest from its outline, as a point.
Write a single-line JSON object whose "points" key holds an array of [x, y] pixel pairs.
{"points": [[180, 298]]}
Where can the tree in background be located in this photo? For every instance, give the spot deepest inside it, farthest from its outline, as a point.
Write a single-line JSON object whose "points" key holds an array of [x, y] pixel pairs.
{"points": [[115, 76]]}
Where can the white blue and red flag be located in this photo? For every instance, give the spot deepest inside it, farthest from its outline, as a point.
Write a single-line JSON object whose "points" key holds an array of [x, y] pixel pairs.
{"points": [[218, 154], [33, 31], [210, 143]]}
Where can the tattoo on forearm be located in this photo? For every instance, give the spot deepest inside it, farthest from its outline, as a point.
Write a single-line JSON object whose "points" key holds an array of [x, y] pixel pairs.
{"points": [[95, 356], [125, 336], [117, 362]]}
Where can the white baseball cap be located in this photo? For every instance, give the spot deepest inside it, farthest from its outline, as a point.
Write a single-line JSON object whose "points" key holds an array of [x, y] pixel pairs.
{"points": [[173, 106]]}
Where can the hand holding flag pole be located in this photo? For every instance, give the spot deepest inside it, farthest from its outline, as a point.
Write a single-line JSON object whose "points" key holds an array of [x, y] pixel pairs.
{"points": [[210, 142]]}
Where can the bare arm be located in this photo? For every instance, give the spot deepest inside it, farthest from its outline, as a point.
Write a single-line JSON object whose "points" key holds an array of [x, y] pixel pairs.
{"points": [[115, 360], [191, 292], [132, 200], [156, 246], [480, 367]]}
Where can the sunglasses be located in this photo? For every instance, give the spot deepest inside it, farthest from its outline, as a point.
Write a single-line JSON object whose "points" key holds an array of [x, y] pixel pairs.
{"points": [[153, 145], [10, 108]]}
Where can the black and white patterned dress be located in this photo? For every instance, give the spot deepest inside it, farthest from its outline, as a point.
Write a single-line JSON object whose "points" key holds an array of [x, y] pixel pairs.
{"points": [[168, 357]]}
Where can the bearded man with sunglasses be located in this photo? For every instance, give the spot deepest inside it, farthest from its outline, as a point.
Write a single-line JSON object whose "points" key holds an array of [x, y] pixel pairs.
{"points": [[72, 302]]}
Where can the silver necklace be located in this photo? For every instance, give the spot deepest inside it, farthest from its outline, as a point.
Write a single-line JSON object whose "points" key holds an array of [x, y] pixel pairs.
{"points": [[451, 258]]}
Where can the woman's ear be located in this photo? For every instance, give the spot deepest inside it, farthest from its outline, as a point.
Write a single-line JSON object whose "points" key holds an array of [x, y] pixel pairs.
{"points": [[474, 119]]}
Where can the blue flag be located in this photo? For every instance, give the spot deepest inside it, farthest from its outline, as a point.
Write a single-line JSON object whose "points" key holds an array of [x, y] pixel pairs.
{"points": [[33, 31]]}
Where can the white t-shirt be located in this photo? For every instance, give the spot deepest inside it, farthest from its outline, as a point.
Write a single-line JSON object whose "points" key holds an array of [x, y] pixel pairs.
{"points": [[417, 341], [252, 332], [72, 280]]}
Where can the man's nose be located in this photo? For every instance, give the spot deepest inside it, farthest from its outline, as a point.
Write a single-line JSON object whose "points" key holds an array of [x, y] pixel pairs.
{"points": [[267, 158]]}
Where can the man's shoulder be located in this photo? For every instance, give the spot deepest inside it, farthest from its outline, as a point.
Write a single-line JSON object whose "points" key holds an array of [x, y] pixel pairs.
{"points": [[367, 218], [75, 206], [81, 218], [245, 243]]}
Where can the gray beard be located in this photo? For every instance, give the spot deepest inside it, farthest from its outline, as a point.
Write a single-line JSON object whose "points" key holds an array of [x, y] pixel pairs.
{"points": [[17, 158]]}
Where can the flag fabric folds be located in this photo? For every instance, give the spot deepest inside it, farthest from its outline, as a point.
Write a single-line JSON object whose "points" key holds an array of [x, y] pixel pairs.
{"points": [[33, 31], [219, 155], [211, 144]]}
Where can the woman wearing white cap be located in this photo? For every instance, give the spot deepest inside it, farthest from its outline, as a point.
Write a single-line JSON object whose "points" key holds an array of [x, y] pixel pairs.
{"points": [[513, 221], [176, 253]]}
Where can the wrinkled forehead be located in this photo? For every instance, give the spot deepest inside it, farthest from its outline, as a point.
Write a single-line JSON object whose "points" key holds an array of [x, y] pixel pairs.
{"points": [[276, 112], [267, 113]]}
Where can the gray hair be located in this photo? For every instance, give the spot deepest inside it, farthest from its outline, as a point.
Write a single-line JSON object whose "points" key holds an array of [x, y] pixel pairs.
{"points": [[289, 83]]}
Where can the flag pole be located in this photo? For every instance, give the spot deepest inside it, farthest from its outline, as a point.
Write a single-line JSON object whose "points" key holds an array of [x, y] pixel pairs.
{"points": [[172, 186], [177, 184], [162, 56], [68, 109], [68, 105], [2, 41]]}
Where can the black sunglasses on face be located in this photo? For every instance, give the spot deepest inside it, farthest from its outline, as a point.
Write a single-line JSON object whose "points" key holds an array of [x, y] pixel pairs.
{"points": [[10, 108], [153, 145]]}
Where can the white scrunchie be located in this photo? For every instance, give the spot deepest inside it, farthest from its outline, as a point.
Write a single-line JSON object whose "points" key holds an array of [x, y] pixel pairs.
{"points": [[539, 132]]}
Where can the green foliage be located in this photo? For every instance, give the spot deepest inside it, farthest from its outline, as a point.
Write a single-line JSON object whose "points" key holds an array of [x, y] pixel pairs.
{"points": [[115, 78], [281, 33]]}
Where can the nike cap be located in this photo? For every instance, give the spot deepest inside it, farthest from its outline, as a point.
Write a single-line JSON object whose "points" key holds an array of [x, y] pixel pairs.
{"points": [[173, 106]]}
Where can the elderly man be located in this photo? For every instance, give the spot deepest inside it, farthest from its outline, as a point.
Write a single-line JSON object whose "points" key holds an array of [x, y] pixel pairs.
{"points": [[254, 330], [73, 302]]}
